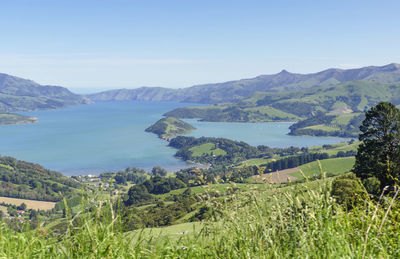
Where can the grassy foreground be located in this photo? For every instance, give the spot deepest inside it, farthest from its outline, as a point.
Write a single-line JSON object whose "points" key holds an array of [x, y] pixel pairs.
{"points": [[298, 221]]}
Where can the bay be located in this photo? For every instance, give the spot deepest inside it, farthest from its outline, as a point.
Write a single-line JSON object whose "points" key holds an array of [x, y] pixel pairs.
{"points": [[110, 136], [273, 134], [90, 139]]}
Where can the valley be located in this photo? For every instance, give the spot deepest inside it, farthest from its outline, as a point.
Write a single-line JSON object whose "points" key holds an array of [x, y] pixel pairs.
{"points": [[266, 160], [199, 129]]}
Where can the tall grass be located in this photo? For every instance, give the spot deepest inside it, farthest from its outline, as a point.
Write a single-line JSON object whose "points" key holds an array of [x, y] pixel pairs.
{"points": [[298, 221]]}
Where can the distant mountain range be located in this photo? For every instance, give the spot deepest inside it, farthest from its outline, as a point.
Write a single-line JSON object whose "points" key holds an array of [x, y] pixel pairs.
{"points": [[237, 90], [18, 94], [280, 97]]}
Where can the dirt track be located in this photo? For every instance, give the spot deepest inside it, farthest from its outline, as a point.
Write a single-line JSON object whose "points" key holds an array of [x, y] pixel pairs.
{"points": [[278, 176]]}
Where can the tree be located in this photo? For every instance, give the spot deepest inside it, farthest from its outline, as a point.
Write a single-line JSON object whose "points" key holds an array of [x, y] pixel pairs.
{"points": [[379, 153], [158, 171], [33, 215], [138, 194], [22, 207]]}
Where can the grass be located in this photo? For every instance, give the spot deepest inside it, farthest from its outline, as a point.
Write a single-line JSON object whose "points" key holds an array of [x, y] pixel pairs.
{"points": [[30, 204], [256, 161], [344, 119], [207, 148], [172, 232], [3, 209], [342, 146], [333, 166], [323, 127], [273, 113], [297, 221]]}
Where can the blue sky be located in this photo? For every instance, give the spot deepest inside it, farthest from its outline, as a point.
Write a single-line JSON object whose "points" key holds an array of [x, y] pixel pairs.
{"points": [[119, 43]]}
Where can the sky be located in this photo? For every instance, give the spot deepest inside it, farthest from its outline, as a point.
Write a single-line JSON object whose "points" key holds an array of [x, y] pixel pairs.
{"points": [[95, 45]]}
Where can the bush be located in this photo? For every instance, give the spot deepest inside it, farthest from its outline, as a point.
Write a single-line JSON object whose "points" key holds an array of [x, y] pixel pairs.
{"points": [[372, 185], [348, 190]]}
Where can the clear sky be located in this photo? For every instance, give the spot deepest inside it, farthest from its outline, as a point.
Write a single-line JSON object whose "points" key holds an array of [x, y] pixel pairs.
{"points": [[103, 44]]}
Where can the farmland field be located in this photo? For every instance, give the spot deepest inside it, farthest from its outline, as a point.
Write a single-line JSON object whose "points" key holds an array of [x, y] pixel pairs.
{"points": [[334, 166], [207, 148], [30, 204]]}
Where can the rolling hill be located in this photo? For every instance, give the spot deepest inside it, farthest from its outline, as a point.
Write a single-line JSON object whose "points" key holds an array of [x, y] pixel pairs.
{"points": [[322, 111], [347, 97]]}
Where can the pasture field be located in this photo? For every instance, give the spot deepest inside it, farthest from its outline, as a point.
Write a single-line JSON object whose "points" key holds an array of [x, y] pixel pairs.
{"points": [[256, 161], [333, 166], [207, 148], [323, 127], [170, 232], [344, 119], [273, 113], [342, 146], [30, 204]]}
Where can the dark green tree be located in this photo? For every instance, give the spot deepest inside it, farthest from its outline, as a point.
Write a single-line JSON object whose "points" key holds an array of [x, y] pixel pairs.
{"points": [[379, 153], [22, 207], [159, 171], [137, 195]]}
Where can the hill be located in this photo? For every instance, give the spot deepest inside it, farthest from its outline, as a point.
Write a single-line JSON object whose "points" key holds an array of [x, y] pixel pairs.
{"points": [[169, 127], [20, 179], [18, 94], [322, 111], [353, 96], [237, 90]]}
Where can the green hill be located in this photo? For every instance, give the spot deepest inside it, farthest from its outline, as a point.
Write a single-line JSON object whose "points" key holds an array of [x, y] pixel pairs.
{"points": [[169, 127], [350, 96], [20, 179], [322, 111]]}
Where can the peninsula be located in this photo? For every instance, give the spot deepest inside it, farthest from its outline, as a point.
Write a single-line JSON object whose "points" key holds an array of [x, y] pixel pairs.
{"points": [[13, 118], [169, 127]]}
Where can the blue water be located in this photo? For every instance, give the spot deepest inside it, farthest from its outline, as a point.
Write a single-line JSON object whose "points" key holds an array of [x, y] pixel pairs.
{"points": [[110, 136], [273, 134]]}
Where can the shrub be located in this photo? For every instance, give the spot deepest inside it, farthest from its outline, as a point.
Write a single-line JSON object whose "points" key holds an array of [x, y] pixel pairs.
{"points": [[348, 190], [372, 185]]}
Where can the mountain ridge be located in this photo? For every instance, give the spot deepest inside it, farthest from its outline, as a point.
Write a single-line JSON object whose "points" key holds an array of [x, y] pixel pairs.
{"points": [[243, 88]]}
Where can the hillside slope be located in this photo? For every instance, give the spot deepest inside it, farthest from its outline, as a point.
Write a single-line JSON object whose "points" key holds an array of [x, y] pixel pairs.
{"points": [[20, 179], [18, 94], [240, 89], [346, 98], [169, 127]]}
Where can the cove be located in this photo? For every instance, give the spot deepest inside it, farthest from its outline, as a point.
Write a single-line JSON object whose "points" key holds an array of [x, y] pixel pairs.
{"points": [[110, 136]]}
